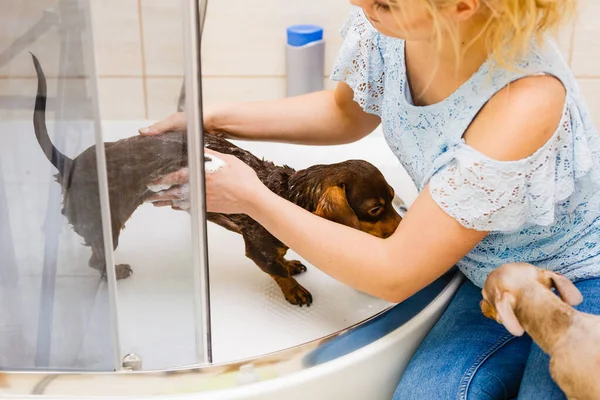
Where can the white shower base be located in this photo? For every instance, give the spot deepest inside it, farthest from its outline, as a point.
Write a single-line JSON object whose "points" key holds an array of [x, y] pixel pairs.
{"points": [[249, 314]]}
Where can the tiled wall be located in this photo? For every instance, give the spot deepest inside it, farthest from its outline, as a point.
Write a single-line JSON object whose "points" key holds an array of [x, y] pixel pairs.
{"points": [[243, 51], [140, 64], [585, 54]]}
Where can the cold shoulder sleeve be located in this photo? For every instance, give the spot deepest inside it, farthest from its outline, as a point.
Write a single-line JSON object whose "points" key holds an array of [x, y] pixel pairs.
{"points": [[360, 63], [503, 196]]}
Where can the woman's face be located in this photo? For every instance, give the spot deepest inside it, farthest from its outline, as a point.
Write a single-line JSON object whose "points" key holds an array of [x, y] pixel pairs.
{"points": [[404, 19]]}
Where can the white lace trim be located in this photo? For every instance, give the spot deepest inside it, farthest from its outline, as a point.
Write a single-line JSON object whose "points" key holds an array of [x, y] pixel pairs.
{"points": [[360, 64]]}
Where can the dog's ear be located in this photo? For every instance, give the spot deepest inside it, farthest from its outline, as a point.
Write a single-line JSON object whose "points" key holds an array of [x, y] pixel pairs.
{"points": [[567, 291], [506, 314], [334, 206]]}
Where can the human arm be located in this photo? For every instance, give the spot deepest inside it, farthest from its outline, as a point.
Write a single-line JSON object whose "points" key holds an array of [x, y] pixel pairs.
{"points": [[426, 244], [321, 118], [428, 241]]}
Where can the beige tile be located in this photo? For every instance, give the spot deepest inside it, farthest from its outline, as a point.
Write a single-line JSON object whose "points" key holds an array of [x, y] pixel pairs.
{"points": [[163, 37], [17, 98], [121, 98], [162, 96], [242, 40], [21, 66], [25, 90], [163, 93], [117, 38], [16, 19], [564, 39], [219, 91], [586, 51], [591, 91]]}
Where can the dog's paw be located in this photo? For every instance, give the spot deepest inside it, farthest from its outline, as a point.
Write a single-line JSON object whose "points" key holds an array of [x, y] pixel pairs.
{"points": [[123, 271], [295, 267], [298, 296]]}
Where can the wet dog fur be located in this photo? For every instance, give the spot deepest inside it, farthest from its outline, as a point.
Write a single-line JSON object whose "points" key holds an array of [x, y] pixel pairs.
{"points": [[353, 193]]}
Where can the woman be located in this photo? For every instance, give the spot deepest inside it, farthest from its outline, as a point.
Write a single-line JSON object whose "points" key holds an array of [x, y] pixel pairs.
{"points": [[489, 122]]}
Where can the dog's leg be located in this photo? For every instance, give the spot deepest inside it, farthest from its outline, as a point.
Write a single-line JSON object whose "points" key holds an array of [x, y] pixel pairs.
{"points": [[122, 271], [224, 221], [295, 267], [270, 261], [98, 262]]}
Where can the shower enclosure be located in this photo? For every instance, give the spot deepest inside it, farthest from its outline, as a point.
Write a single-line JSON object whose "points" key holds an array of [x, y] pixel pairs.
{"points": [[59, 314], [195, 316]]}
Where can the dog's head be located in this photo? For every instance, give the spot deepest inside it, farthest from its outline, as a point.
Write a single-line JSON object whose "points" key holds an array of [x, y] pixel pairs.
{"points": [[353, 193], [505, 285]]}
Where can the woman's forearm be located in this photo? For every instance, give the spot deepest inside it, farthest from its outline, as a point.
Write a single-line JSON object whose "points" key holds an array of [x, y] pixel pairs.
{"points": [[355, 258], [319, 118]]}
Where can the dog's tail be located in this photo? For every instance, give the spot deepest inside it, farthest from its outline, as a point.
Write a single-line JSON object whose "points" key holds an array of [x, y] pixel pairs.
{"points": [[58, 159]]}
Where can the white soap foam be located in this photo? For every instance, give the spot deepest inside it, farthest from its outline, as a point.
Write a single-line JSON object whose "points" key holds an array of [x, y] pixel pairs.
{"points": [[158, 188], [214, 165]]}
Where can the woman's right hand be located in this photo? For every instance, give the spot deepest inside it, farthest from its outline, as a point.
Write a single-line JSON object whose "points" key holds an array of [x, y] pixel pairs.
{"points": [[171, 190], [174, 122]]}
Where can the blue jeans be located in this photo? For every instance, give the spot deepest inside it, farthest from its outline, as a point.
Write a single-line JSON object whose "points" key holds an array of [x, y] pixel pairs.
{"points": [[467, 356]]}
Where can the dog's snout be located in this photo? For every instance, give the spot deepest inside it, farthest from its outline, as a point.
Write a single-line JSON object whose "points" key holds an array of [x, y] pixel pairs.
{"points": [[393, 224]]}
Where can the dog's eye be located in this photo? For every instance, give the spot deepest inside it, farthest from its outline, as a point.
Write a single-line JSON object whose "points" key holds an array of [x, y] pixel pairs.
{"points": [[376, 210]]}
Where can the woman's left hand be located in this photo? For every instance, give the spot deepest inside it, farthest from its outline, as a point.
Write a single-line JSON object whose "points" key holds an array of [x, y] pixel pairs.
{"points": [[230, 190], [233, 188]]}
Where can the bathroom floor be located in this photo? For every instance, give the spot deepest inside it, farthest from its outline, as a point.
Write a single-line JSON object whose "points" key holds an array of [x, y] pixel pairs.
{"points": [[248, 312]]}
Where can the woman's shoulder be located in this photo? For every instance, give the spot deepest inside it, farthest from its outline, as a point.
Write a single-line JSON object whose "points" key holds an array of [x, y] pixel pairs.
{"points": [[530, 148], [526, 104], [519, 118]]}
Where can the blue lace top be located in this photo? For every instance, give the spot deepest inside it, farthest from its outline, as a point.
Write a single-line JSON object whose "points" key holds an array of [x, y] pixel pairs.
{"points": [[543, 209]]}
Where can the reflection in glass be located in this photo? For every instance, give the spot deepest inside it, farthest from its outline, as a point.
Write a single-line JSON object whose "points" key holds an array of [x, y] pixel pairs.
{"points": [[55, 311]]}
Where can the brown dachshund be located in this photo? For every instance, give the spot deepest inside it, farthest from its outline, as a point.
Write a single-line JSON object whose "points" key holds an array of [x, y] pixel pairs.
{"points": [[353, 193], [519, 296]]}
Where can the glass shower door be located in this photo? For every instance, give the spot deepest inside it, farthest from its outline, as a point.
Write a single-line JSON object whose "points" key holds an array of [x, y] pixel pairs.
{"points": [[56, 313]]}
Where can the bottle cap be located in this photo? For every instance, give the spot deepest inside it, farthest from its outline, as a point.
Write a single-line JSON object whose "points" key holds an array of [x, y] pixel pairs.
{"points": [[299, 35]]}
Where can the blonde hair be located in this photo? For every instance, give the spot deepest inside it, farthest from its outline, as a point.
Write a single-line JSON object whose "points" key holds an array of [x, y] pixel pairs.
{"points": [[509, 26]]}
